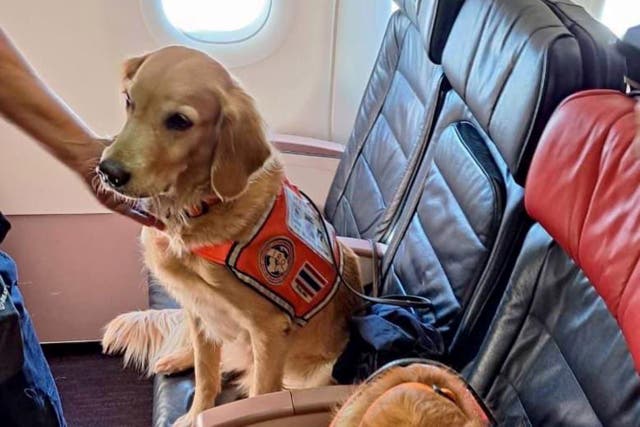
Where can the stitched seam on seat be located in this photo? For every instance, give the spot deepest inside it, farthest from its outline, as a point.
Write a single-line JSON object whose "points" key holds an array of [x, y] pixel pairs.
{"points": [[501, 374], [464, 214], [543, 325], [541, 92], [503, 84], [474, 52], [373, 178], [597, 185], [437, 256], [387, 122], [399, 282], [360, 146], [411, 86], [412, 203], [349, 209], [542, 265], [377, 187]]}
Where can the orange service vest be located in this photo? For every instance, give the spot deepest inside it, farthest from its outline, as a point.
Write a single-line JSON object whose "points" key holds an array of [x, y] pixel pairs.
{"points": [[287, 260]]}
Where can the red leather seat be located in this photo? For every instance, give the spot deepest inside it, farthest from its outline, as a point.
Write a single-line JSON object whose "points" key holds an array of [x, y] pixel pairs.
{"points": [[562, 346]]}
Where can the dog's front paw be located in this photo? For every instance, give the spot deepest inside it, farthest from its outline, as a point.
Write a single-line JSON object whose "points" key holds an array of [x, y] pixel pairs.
{"points": [[187, 420], [174, 363]]}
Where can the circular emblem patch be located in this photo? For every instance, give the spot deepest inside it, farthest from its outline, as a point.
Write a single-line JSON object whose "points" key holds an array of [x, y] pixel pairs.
{"points": [[276, 259]]}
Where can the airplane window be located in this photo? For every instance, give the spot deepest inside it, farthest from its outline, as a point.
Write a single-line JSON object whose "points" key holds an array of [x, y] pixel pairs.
{"points": [[620, 15], [217, 21]]}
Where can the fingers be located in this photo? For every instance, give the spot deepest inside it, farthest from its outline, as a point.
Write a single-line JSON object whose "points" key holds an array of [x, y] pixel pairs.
{"points": [[139, 216], [145, 219], [115, 204]]}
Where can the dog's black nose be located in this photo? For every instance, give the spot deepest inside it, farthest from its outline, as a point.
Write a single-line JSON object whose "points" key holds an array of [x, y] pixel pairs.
{"points": [[114, 172]]}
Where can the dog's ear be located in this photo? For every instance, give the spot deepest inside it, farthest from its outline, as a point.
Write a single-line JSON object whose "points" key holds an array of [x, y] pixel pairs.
{"points": [[241, 148], [131, 66]]}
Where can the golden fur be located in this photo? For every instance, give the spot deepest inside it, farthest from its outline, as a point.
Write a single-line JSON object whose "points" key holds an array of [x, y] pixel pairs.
{"points": [[225, 325], [404, 396]]}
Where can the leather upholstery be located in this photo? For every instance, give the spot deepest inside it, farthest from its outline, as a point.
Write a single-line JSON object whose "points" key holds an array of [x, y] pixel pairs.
{"points": [[456, 236], [555, 355], [510, 63], [583, 188], [393, 122], [603, 65]]}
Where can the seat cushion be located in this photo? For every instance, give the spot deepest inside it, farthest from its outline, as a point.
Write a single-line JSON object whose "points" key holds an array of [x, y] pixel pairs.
{"points": [[393, 122], [555, 355]]}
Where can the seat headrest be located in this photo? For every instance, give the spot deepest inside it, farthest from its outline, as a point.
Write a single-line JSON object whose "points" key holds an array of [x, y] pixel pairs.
{"points": [[512, 62], [629, 46], [434, 18], [584, 188]]}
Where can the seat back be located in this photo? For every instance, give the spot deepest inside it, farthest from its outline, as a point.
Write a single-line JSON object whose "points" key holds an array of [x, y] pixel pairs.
{"points": [[510, 63], [395, 117], [560, 351], [602, 62]]}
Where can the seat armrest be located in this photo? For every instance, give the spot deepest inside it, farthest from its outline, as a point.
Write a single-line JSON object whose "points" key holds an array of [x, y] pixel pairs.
{"points": [[362, 248], [301, 145], [293, 408]]}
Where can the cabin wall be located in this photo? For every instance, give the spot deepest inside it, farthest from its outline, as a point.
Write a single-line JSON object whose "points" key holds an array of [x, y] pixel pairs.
{"points": [[80, 265]]}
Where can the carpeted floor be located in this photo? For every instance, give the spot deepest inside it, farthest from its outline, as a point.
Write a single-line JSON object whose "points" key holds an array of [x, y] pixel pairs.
{"points": [[96, 391]]}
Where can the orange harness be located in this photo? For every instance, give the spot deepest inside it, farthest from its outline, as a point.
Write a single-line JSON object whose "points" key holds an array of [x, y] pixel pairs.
{"points": [[288, 260]]}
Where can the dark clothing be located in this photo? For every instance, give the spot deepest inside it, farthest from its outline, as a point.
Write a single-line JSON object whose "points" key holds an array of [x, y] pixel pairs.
{"points": [[384, 334], [28, 394]]}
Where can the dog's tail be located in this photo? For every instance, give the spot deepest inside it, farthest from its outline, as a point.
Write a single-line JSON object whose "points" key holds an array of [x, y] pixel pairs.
{"points": [[146, 336]]}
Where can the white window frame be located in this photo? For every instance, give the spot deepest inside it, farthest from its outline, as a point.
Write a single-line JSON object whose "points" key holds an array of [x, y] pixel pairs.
{"points": [[252, 48]]}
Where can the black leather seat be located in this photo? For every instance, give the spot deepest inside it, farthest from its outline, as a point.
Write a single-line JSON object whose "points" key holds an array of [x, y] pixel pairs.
{"points": [[601, 63], [415, 139], [395, 118], [555, 354], [509, 64]]}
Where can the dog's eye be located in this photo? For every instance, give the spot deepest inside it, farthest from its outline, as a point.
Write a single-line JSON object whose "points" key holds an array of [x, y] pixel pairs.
{"points": [[128, 102], [178, 121]]}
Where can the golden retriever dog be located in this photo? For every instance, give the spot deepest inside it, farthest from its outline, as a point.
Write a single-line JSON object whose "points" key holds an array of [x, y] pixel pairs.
{"points": [[418, 395], [194, 135]]}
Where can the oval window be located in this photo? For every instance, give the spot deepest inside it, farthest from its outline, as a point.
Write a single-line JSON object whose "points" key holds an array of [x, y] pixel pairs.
{"points": [[217, 21]]}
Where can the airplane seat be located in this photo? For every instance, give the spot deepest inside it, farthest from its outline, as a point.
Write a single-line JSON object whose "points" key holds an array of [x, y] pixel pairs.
{"points": [[438, 172], [394, 119], [509, 63], [562, 347]]}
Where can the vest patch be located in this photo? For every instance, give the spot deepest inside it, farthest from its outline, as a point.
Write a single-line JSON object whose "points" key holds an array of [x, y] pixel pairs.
{"points": [[288, 259], [276, 259]]}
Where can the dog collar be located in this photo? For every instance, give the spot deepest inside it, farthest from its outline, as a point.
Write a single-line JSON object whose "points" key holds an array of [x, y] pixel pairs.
{"points": [[201, 208]]}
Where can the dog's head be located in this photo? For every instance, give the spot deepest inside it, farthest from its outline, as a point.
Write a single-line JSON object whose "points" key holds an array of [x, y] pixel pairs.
{"points": [[190, 129], [420, 394]]}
